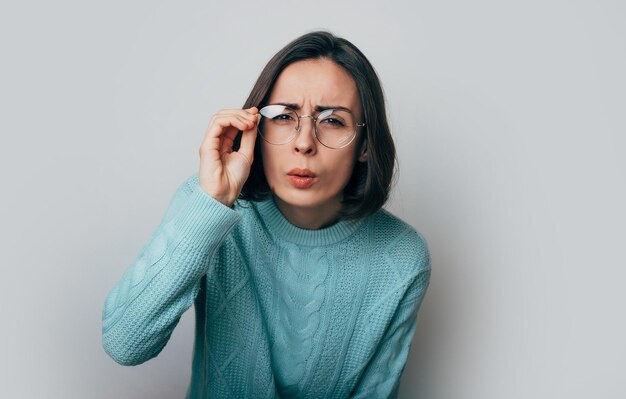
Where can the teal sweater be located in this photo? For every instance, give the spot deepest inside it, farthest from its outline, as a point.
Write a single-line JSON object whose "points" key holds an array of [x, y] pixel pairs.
{"points": [[280, 311]]}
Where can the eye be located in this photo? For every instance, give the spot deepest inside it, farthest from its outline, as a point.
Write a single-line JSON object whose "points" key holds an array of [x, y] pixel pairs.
{"points": [[282, 117], [286, 118], [278, 113], [333, 122]]}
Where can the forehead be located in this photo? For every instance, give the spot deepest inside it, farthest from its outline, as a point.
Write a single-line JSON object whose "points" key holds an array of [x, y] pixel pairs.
{"points": [[316, 82]]}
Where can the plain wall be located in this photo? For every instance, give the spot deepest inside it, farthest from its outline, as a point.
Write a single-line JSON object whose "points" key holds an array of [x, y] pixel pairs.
{"points": [[509, 122]]}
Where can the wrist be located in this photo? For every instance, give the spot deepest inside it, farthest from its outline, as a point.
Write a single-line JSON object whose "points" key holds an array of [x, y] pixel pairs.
{"points": [[224, 198]]}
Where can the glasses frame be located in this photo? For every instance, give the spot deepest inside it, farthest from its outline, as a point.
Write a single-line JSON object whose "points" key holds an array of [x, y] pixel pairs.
{"points": [[314, 119]]}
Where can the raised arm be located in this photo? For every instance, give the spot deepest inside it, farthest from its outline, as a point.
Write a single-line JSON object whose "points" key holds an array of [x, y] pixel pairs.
{"points": [[143, 308]]}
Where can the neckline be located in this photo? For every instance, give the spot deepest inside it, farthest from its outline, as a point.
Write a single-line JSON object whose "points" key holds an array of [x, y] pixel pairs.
{"points": [[279, 226]]}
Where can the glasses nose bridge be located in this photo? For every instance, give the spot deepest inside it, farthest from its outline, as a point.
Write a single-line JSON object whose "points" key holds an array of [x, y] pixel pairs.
{"points": [[313, 120]]}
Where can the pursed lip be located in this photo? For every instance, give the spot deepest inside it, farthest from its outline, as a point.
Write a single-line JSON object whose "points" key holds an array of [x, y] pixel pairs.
{"points": [[301, 173], [301, 178]]}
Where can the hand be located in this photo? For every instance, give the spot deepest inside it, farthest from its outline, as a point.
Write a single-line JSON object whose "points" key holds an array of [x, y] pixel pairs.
{"points": [[223, 171]]}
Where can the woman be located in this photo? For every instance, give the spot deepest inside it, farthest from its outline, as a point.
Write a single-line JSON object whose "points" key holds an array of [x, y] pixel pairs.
{"points": [[302, 284]]}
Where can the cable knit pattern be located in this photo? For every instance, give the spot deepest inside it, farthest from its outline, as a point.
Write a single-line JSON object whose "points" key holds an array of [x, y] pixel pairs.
{"points": [[301, 293], [280, 311]]}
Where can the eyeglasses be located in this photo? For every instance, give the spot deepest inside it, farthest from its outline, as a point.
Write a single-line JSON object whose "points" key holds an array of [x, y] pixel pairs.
{"points": [[334, 128]]}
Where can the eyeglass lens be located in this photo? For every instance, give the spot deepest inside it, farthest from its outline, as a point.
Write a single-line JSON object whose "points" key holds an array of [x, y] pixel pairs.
{"points": [[280, 125]]}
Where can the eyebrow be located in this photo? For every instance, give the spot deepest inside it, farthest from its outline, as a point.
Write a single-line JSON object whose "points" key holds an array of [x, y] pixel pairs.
{"points": [[318, 108]]}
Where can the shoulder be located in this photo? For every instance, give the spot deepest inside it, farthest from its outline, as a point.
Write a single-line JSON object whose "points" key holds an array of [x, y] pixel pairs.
{"points": [[401, 244]]}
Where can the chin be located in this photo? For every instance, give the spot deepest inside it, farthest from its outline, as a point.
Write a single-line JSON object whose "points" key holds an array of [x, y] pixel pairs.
{"points": [[305, 199]]}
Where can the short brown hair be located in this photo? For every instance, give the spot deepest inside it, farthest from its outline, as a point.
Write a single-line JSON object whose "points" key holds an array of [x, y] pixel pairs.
{"points": [[368, 188]]}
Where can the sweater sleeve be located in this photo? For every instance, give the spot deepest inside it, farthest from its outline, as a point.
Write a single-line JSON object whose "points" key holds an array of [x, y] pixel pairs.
{"points": [[381, 378], [143, 308]]}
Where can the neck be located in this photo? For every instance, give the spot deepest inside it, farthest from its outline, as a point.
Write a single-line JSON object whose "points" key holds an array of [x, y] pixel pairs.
{"points": [[312, 218]]}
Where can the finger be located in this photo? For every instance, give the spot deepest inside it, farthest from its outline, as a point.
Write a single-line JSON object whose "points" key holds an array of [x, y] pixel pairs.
{"points": [[248, 140], [223, 129], [228, 137], [249, 113], [238, 121], [220, 135], [220, 125]]}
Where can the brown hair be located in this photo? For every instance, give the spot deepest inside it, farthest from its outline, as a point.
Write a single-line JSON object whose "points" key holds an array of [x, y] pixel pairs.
{"points": [[368, 188]]}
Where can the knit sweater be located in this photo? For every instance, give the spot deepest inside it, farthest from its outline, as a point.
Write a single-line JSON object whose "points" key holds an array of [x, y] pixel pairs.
{"points": [[280, 311]]}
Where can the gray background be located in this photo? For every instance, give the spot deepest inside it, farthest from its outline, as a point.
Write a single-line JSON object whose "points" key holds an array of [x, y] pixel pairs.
{"points": [[509, 120]]}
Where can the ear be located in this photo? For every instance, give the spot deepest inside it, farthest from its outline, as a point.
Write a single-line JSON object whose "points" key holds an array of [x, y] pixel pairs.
{"points": [[363, 152]]}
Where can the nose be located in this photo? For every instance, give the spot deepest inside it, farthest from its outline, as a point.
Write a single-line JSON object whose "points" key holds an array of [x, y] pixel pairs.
{"points": [[305, 140]]}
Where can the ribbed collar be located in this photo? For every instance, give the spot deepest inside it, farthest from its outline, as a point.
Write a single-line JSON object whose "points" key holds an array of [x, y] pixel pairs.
{"points": [[280, 227]]}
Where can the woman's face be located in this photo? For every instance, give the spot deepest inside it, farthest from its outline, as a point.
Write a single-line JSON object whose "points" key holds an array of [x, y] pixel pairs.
{"points": [[304, 175]]}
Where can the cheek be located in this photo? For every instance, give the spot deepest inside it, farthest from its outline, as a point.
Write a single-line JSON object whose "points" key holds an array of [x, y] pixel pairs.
{"points": [[344, 168]]}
